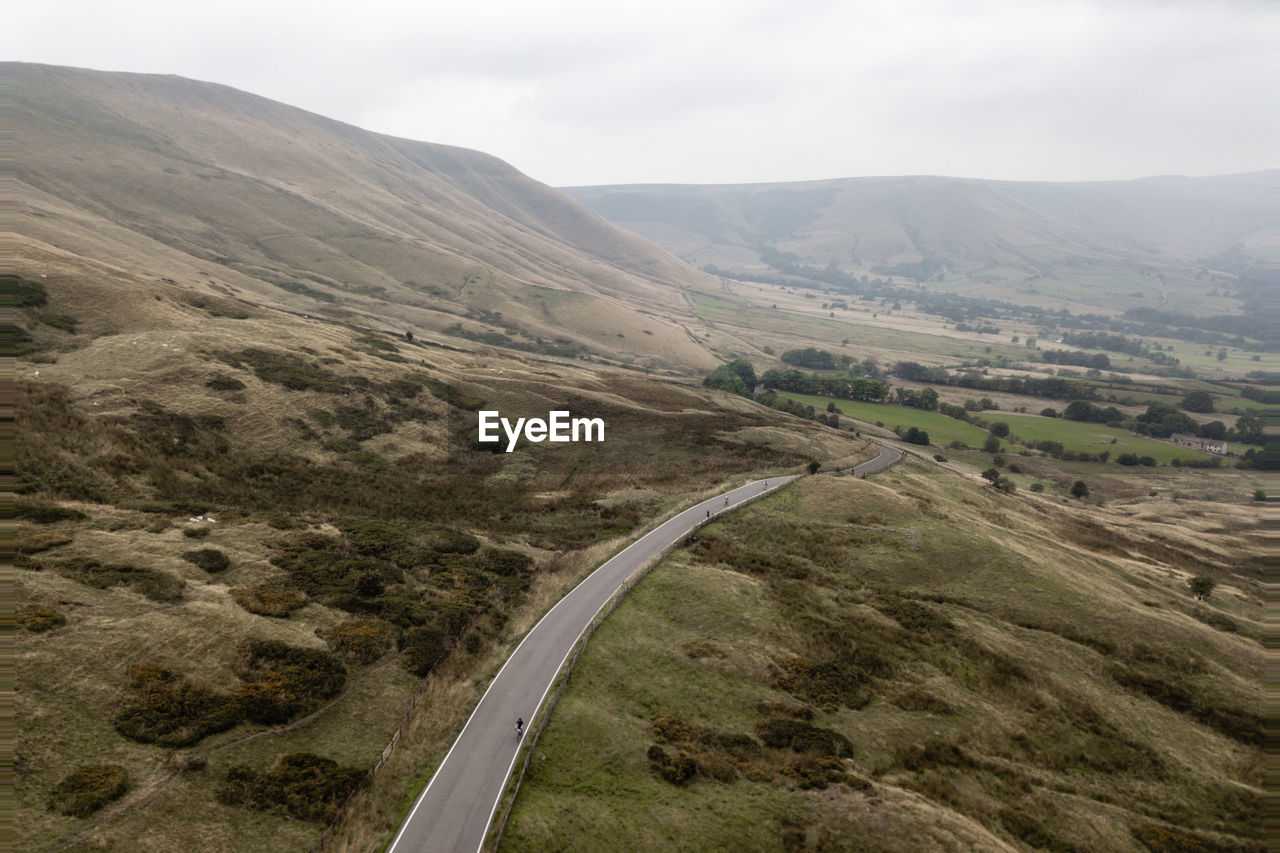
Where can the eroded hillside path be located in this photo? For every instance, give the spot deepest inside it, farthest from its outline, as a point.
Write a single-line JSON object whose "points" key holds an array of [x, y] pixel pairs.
{"points": [[453, 813]]}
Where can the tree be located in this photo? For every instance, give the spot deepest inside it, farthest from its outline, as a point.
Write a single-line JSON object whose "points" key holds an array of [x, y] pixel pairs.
{"points": [[1249, 428], [915, 435], [1202, 586], [1197, 401], [1079, 489], [991, 445], [1049, 412], [1215, 430], [991, 475], [1000, 428], [831, 407], [814, 465]]}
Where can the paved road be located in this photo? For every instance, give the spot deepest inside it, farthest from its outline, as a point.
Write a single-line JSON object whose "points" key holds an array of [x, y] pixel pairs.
{"points": [[454, 810], [887, 457]]}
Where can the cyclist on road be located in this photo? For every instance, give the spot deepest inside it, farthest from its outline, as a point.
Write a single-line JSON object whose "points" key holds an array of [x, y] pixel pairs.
{"points": [[519, 726]]}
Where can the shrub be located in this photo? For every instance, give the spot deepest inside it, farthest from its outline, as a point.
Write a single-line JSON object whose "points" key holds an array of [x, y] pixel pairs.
{"points": [[423, 647], [45, 514], [196, 532], [302, 785], [172, 710], [1202, 586], [362, 641], [826, 684], [1037, 487], [802, 737], [1079, 489], [37, 618], [210, 560], [991, 445], [1000, 429], [815, 773], [269, 599], [88, 788], [155, 585], [38, 542], [676, 768], [26, 293], [915, 435], [505, 562], [283, 681], [225, 383]]}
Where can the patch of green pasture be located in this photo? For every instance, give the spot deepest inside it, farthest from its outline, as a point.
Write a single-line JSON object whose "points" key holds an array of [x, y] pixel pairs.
{"points": [[1091, 438], [942, 429]]}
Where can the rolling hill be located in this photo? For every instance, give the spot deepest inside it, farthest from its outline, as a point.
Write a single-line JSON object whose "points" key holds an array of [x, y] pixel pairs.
{"points": [[1001, 239], [231, 194]]}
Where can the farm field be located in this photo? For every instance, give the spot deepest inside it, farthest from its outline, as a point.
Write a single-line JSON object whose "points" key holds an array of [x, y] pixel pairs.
{"points": [[942, 429], [1091, 438], [1024, 429]]}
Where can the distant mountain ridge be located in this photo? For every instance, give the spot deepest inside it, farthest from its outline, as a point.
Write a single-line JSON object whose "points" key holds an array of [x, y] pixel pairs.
{"points": [[967, 233], [229, 192]]}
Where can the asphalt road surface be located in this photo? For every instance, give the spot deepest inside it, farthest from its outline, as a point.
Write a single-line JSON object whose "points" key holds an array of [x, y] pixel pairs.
{"points": [[454, 811], [887, 457]]}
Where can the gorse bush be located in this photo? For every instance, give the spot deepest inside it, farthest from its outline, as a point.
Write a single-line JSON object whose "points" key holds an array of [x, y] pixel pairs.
{"points": [[283, 681], [210, 560], [88, 788], [172, 710], [803, 737], [269, 598], [155, 585], [38, 618], [361, 641], [45, 514], [302, 785]]}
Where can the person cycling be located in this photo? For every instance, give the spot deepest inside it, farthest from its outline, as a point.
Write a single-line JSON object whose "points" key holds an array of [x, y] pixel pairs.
{"points": [[519, 726]]}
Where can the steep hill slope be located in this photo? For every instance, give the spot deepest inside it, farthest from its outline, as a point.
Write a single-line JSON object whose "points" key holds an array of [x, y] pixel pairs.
{"points": [[226, 192], [983, 237]]}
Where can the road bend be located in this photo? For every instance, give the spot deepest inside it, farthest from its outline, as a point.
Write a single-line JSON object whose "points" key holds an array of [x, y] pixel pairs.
{"points": [[453, 813]]}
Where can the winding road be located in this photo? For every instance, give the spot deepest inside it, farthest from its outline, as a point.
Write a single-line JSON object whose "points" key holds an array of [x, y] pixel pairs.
{"points": [[453, 813]]}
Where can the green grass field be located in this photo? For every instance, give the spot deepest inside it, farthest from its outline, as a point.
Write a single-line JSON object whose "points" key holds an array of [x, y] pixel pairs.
{"points": [[1090, 438], [942, 429], [1025, 430]]}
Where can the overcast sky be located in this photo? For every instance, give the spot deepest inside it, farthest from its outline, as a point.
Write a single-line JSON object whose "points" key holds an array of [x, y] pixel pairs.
{"points": [[617, 91]]}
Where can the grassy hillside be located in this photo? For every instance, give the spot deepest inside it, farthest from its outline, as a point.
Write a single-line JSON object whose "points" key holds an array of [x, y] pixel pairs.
{"points": [[914, 662], [231, 194], [244, 535], [1101, 246]]}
